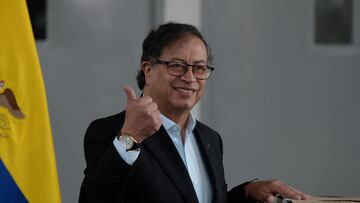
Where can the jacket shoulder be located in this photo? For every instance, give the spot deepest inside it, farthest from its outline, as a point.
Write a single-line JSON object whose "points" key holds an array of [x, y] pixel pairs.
{"points": [[109, 120], [107, 126]]}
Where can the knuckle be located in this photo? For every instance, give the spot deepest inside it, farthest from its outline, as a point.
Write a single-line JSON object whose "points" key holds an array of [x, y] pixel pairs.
{"points": [[154, 120], [275, 182], [151, 106], [147, 112], [146, 99], [155, 105], [132, 105]]}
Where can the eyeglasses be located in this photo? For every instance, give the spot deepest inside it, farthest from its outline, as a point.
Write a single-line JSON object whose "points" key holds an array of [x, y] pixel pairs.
{"points": [[177, 68]]}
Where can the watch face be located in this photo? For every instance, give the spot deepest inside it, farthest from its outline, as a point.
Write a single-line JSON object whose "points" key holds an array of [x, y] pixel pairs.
{"points": [[128, 141]]}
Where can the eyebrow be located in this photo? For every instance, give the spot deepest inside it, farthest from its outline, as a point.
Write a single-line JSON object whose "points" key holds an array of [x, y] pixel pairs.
{"points": [[184, 61]]}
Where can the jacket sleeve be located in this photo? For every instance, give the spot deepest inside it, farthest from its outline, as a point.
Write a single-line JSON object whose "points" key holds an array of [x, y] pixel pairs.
{"points": [[106, 173], [237, 194]]}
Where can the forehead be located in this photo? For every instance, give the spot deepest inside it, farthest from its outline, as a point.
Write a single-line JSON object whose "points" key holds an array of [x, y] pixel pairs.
{"points": [[188, 47]]}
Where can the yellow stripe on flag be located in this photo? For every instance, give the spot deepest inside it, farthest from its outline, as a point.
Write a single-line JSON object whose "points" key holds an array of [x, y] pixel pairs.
{"points": [[26, 146]]}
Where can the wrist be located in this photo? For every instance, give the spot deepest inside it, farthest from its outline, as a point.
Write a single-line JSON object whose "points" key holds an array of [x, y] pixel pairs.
{"points": [[244, 187], [131, 144], [128, 131]]}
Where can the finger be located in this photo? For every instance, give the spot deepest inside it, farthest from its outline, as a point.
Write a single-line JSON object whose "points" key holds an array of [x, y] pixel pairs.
{"points": [[307, 196], [152, 107], [270, 199], [301, 194], [288, 192], [148, 109], [159, 121], [130, 93], [146, 100]]}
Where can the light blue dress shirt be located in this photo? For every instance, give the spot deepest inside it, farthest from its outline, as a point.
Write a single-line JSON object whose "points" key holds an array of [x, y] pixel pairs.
{"points": [[188, 151]]}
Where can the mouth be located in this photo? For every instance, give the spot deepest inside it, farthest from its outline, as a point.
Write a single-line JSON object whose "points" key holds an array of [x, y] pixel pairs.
{"points": [[185, 89]]}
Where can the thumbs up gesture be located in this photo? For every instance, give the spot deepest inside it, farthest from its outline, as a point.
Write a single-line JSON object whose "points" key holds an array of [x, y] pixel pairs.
{"points": [[142, 117]]}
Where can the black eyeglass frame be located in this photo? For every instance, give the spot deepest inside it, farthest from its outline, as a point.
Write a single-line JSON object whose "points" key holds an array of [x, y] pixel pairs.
{"points": [[211, 69]]}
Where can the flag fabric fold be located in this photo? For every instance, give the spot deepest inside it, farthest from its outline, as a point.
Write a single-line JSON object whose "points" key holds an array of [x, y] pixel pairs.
{"points": [[27, 157]]}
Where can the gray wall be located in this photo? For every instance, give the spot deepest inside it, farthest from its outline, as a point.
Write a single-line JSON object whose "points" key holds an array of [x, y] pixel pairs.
{"points": [[93, 49], [283, 111], [285, 108]]}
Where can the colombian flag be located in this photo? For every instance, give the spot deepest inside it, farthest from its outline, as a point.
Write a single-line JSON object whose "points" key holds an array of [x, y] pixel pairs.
{"points": [[27, 160]]}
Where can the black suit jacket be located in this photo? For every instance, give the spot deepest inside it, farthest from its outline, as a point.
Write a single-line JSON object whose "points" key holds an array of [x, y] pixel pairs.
{"points": [[157, 176]]}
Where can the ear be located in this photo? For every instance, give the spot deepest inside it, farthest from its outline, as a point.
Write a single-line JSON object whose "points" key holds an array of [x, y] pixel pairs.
{"points": [[146, 68]]}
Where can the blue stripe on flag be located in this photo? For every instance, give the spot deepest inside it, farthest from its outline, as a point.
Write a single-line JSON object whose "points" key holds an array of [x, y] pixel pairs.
{"points": [[9, 191]]}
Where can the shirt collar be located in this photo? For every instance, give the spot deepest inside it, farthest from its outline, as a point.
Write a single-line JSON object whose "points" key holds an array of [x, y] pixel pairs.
{"points": [[167, 123]]}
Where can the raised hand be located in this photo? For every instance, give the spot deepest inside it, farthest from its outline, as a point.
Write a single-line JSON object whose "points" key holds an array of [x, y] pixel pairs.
{"points": [[142, 117]]}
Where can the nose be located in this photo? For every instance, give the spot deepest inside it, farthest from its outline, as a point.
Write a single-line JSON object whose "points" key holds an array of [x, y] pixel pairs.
{"points": [[188, 76]]}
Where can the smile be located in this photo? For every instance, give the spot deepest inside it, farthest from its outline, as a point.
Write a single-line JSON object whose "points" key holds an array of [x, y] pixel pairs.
{"points": [[185, 90]]}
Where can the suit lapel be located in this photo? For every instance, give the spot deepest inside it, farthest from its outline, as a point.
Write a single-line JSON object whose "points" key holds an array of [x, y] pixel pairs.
{"points": [[164, 151], [208, 154]]}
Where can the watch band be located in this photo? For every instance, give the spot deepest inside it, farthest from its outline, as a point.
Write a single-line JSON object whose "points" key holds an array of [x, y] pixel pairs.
{"points": [[135, 147]]}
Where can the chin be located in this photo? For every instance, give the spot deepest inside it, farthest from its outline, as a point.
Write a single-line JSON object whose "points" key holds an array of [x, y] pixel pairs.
{"points": [[184, 105]]}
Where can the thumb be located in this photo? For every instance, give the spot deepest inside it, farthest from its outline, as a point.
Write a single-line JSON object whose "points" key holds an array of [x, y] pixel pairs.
{"points": [[130, 93]]}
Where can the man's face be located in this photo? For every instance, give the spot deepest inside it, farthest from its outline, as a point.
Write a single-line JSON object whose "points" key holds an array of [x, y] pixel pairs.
{"points": [[176, 94]]}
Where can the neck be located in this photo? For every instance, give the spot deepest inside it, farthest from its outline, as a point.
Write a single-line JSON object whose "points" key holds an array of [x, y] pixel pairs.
{"points": [[179, 118]]}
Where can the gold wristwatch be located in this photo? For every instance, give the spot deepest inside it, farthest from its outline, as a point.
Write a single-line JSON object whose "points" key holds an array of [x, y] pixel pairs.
{"points": [[130, 143]]}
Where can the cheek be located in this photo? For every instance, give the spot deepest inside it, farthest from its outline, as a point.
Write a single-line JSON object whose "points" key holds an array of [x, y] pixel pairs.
{"points": [[156, 78], [164, 85], [202, 88]]}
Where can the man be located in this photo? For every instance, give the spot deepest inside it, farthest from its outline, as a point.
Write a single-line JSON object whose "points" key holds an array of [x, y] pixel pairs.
{"points": [[155, 151]]}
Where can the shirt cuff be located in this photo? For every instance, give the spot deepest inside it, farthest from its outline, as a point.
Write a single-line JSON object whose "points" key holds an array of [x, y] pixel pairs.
{"points": [[128, 156]]}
